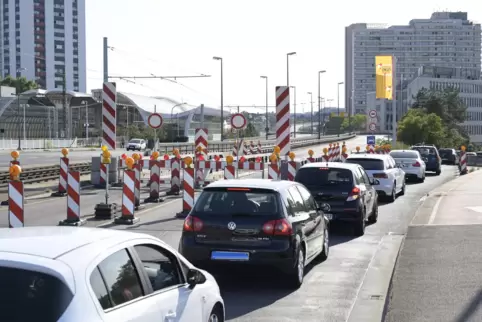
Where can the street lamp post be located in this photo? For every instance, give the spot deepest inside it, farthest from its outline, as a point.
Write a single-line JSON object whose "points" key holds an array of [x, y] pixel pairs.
{"points": [[319, 103], [172, 110], [288, 67], [338, 103], [311, 102], [222, 97], [86, 120], [294, 120], [267, 124], [19, 70]]}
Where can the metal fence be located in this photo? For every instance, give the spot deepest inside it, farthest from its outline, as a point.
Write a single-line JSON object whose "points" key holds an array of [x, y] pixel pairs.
{"points": [[474, 161]]}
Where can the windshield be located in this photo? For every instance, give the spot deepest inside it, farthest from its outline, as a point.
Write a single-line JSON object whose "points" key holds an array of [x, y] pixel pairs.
{"points": [[404, 154], [234, 201], [445, 152], [367, 164], [425, 150], [135, 141], [32, 296], [314, 177]]}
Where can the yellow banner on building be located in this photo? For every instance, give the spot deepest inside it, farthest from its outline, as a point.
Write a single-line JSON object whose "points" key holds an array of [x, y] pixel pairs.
{"points": [[384, 77]]}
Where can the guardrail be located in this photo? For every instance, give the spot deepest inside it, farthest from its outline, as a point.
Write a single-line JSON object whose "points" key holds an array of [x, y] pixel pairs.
{"points": [[47, 173], [474, 161]]}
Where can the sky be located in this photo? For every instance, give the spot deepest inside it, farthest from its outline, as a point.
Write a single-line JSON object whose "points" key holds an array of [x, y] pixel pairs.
{"points": [[180, 38]]}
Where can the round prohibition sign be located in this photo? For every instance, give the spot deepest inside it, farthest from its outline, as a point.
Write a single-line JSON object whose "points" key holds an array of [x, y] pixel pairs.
{"points": [[372, 114], [373, 127], [155, 120], [238, 121]]}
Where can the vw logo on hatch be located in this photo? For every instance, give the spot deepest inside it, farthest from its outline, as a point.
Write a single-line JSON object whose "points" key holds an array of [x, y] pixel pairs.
{"points": [[231, 226], [325, 207]]}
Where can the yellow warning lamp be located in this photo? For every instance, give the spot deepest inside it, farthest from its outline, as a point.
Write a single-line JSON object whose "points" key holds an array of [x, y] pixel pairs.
{"points": [[343, 150], [325, 151], [136, 157], [130, 163], [367, 147], [15, 172], [357, 149], [273, 158], [310, 153], [292, 156], [277, 149], [377, 147], [462, 148], [65, 152], [229, 159], [15, 155], [104, 148], [389, 146], [106, 157], [188, 161], [155, 155], [175, 152]]}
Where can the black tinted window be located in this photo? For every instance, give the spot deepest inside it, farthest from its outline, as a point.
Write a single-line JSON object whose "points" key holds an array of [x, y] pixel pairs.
{"points": [[299, 205], [31, 296], [121, 277], [229, 201], [313, 177], [426, 150], [100, 289], [307, 198], [160, 268], [446, 152], [368, 164], [404, 155]]}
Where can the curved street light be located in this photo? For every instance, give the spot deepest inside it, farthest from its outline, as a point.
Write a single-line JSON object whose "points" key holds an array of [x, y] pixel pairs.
{"points": [[172, 110]]}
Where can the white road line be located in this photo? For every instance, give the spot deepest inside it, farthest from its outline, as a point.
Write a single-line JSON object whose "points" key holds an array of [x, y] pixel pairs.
{"points": [[434, 211]]}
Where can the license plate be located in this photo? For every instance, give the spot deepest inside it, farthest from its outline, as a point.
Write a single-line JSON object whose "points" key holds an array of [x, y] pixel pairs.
{"points": [[329, 216], [230, 256]]}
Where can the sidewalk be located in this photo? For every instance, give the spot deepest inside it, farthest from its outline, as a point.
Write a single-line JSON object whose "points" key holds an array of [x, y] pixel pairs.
{"points": [[438, 274]]}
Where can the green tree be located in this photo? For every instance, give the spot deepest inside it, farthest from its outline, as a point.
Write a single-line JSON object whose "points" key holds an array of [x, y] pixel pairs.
{"points": [[358, 123], [20, 83], [418, 126]]}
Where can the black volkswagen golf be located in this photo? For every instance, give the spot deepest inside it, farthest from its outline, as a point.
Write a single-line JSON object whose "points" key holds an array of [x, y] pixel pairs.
{"points": [[266, 223]]}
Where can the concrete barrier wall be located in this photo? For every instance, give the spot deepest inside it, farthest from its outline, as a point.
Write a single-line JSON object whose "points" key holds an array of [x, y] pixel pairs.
{"points": [[474, 161]]}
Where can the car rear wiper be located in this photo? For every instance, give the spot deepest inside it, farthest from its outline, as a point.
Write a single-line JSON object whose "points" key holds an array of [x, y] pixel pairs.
{"points": [[243, 214]]}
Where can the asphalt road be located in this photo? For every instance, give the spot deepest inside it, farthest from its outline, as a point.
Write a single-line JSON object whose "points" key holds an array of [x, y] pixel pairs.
{"points": [[349, 286]]}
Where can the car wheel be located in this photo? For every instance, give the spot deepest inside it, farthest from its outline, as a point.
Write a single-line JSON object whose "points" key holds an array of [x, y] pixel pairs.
{"points": [[326, 245], [438, 172], [359, 226], [374, 215], [403, 189], [216, 315], [298, 271], [393, 196]]}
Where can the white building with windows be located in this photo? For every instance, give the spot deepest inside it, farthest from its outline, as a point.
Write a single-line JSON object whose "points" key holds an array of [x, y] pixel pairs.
{"points": [[44, 40], [447, 39]]}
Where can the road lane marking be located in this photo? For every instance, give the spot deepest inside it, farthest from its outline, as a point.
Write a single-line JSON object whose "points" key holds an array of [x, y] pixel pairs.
{"points": [[433, 214]]}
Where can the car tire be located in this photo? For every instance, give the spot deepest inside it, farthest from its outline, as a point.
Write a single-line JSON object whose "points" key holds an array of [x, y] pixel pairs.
{"points": [[297, 273], [393, 196], [402, 192], [438, 172], [326, 245], [359, 226], [374, 215], [216, 315]]}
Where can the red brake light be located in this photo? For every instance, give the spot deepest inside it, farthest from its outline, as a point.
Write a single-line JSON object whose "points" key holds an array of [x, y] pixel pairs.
{"points": [[324, 168], [192, 223], [416, 164], [380, 175], [355, 191], [281, 227]]}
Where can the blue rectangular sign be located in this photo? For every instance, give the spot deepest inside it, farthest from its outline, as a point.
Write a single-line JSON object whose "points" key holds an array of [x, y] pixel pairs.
{"points": [[371, 139]]}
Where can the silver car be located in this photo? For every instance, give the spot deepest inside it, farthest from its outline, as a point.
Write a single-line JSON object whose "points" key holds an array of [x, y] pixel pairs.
{"points": [[411, 162]]}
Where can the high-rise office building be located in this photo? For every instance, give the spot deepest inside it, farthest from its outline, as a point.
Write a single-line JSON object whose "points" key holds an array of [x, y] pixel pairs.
{"points": [[447, 39], [44, 40]]}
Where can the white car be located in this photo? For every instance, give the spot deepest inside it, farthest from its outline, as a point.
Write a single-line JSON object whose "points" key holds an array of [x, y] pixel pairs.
{"points": [[136, 144], [410, 161], [97, 274], [383, 168]]}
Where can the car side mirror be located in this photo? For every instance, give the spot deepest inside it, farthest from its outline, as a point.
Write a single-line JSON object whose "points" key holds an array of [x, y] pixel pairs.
{"points": [[195, 277], [324, 207]]}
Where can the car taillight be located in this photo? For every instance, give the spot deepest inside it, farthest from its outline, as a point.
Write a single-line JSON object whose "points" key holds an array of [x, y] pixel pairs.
{"points": [[280, 227], [192, 223], [354, 194], [416, 164], [380, 175]]}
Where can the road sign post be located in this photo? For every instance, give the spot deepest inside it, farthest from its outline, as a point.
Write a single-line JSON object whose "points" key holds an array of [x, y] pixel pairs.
{"points": [[238, 122], [155, 121], [371, 140], [372, 127]]}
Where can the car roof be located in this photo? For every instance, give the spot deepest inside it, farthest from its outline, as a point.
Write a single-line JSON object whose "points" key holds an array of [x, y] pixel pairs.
{"points": [[54, 241], [338, 165], [367, 156], [269, 184], [409, 150]]}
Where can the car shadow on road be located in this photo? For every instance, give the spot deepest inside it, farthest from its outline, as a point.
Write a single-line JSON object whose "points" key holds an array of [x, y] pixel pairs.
{"points": [[471, 309]]}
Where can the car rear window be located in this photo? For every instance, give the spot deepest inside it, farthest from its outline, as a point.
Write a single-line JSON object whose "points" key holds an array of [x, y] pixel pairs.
{"points": [[444, 152], [404, 155], [232, 201], [31, 296], [313, 177], [135, 141], [426, 150], [367, 163]]}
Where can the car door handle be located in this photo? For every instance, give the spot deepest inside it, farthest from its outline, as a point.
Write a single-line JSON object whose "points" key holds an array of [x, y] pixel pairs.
{"points": [[171, 315]]}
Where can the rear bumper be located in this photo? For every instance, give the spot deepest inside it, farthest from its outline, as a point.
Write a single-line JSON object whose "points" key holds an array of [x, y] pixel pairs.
{"points": [[413, 173], [200, 255], [350, 212], [385, 187], [433, 168]]}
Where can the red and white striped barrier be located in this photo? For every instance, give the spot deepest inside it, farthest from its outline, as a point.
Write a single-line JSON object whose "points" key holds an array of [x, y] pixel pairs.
{"points": [[337, 152], [188, 194], [273, 171], [283, 130], [154, 180], [128, 199], [325, 158], [103, 175], [292, 166], [137, 185], [15, 204], [463, 162], [260, 150], [252, 148], [229, 172], [64, 170], [73, 201], [109, 115], [343, 157], [175, 176]]}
